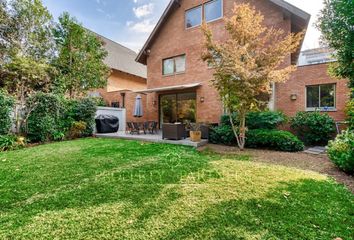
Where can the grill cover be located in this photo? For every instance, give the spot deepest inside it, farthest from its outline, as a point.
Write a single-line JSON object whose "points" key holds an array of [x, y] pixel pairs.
{"points": [[107, 124]]}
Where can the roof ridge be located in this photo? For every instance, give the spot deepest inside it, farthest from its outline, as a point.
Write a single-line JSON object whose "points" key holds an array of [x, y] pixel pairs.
{"points": [[117, 43]]}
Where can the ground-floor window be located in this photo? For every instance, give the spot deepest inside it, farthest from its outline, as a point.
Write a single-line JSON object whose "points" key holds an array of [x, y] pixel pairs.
{"points": [[321, 97], [180, 107]]}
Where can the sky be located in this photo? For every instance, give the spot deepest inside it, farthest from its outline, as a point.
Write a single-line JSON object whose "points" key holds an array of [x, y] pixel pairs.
{"points": [[130, 22]]}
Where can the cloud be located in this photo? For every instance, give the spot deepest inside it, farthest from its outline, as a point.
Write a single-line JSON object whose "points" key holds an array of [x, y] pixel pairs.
{"points": [[144, 26], [143, 10]]}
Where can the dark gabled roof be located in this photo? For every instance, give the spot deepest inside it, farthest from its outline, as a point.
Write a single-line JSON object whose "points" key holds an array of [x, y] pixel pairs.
{"points": [[122, 58], [299, 17]]}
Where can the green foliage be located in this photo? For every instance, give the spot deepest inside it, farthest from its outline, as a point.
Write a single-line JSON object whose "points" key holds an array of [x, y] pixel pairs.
{"points": [[313, 127], [265, 120], [350, 113], [27, 47], [77, 129], [258, 120], [341, 151], [100, 102], [46, 112], [82, 110], [6, 107], [274, 140], [336, 24], [80, 59], [11, 142], [222, 134]]}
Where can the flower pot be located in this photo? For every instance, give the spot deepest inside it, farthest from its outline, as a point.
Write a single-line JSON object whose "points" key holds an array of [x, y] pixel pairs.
{"points": [[196, 136]]}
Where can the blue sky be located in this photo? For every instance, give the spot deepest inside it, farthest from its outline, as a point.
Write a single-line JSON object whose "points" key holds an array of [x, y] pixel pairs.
{"points": [[130, 22]]}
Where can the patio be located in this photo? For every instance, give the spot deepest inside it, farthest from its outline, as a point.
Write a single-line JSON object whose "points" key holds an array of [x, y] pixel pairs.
{"points": [[157, 138]]}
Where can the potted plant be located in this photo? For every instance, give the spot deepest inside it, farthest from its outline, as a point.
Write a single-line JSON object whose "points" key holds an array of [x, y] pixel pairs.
{"points": [[195, 133]]}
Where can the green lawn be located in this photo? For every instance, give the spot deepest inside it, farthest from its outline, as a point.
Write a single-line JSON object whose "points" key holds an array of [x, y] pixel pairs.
{"points": [[114, 189]]}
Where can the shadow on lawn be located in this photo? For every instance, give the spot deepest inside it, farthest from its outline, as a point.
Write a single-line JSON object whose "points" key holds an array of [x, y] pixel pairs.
{"points": [[306, 209]]}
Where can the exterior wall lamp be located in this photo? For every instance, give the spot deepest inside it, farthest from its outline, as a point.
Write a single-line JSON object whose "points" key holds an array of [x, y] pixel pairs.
{"points": [[202, 99], [293, 97]]}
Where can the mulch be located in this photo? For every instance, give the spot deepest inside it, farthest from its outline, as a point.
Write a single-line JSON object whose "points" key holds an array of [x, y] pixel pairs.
{"points": [[301, 160]]}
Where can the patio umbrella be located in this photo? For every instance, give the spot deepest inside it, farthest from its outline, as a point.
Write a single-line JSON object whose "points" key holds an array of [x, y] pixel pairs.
{"points": [[138, 109]]}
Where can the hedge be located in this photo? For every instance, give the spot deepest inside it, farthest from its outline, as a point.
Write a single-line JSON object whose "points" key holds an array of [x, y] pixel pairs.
{"points": [[6, 107]]}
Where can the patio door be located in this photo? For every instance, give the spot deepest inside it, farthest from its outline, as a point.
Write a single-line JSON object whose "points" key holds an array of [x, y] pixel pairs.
{"points": [[179, 107]]}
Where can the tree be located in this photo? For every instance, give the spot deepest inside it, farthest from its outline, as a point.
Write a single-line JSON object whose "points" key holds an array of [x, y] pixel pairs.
{"points": [[336, 23], [248, 63], [80, 59], [26, 39]]}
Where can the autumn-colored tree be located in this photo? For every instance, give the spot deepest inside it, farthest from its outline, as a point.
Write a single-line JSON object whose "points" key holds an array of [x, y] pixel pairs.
{"points": [[248, 63]]}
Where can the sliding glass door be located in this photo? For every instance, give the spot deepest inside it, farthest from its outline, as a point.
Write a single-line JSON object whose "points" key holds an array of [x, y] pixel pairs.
{"points": [[180, 107]]}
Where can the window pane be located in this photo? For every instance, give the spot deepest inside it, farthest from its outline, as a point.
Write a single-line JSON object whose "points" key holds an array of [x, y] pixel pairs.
{"points": [[194, 17], [180, 63], [168, 66], [213, 10], [312, 97], [327, 96]]}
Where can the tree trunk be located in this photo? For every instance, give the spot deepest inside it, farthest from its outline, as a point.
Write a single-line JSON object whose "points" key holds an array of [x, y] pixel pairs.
{"points": [[240, 133]]}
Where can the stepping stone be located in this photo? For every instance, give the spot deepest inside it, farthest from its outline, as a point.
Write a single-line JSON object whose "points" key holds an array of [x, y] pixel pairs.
{"points": [[316, 150]]}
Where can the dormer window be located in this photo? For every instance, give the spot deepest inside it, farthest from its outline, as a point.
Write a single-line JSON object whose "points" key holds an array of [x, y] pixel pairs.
{"points": [[209, 11]]}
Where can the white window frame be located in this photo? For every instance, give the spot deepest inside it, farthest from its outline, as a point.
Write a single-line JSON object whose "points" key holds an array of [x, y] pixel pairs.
{"points": [[201, 16], [174, 65], [322, 109], [202, 6], [222, 11]]}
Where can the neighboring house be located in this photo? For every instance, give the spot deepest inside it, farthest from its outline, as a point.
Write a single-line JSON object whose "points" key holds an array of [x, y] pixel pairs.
{"points": [[311, 88], [127, 76], [178, 81]]}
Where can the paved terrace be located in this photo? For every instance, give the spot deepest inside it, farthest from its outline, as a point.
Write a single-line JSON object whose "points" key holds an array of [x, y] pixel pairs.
{"points": [[157, 138]]}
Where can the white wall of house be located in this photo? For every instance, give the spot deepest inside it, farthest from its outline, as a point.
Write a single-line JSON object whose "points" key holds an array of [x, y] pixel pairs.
{"points": [[117, 112]]}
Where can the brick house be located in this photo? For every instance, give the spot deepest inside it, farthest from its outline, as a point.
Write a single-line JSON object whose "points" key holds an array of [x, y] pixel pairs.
{"points": [[178, 81], [127, 76], [311, 88]]}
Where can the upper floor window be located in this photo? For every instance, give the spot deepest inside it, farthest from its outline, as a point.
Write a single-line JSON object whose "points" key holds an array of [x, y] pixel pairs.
{"points": [[321, 97], [194, 17], [174, 65], [209, 11], [213, 10]]}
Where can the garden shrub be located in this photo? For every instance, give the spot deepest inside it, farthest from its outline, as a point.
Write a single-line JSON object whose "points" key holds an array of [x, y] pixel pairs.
{"points": [[222, 134], [341, 151], [82, 110], [258, 120], [313, 128], [350, 113], [273, 140], [11, 142], [77, 129], [265, 120], [6, 107], [46, 112]]}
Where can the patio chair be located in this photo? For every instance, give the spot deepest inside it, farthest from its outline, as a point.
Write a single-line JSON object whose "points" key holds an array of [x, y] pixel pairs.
{"points": [[131, 128], [136, 128]]}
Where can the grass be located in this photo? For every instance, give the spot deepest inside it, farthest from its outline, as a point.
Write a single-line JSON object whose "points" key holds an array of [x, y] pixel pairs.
{"points": [[115, 189]]}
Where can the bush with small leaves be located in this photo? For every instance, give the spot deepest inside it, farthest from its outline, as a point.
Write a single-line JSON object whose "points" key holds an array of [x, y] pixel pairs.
{"points": [[6, 107], [341, 151], [313, 128], [274, 140]]}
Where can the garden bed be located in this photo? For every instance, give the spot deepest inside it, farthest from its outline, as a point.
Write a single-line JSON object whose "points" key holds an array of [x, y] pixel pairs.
{"points": [[301, 160]]}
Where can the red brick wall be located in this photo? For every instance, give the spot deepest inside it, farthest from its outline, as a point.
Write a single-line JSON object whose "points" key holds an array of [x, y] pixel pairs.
{"points": [[173, 39], [304, 76], [110, 97]]}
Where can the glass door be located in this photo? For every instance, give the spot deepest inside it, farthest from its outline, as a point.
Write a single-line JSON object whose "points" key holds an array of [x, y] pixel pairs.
{"points": [[180, 107], [168, 108]]}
